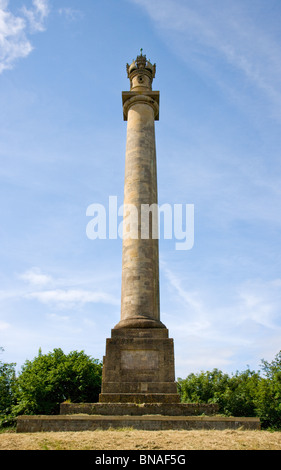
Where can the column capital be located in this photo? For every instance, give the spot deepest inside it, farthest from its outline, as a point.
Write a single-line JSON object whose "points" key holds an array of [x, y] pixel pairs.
{"points": [[150, 98]]}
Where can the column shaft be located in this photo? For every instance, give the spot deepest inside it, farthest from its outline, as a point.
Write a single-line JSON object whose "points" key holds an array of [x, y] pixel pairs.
{"points": [[140, 258]]}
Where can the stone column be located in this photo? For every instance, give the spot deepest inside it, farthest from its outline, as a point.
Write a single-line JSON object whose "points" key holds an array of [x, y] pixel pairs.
{"points": [[140, 259], [139, 363]]}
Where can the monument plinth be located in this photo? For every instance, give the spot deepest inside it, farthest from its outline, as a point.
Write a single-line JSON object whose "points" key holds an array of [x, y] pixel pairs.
{"points": [[139, 363]]}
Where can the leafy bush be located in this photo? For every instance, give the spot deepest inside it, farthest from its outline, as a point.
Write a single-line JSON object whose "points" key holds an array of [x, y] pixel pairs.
{"points": [[7, 399], [268, 397], [52, 378], [246, 393]]}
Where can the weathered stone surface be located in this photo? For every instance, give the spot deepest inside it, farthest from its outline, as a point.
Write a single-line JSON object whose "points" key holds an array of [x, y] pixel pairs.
{"points": [[134, 409], [139, 398], [139, 362], [139, 367], [140, 258], [143, 387], [140, 270], [153, 423]]}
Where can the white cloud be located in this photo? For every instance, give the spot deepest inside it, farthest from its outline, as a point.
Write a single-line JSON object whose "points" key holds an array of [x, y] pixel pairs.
{"points": [[190, 298], [14, 29], [13, 41], [64, 297], [36, 277], [220, 358], [214, 325], [255, 302], [37, 15], [202, 32], [260, 302], [4, 325], [64, 292], [71, 14]]}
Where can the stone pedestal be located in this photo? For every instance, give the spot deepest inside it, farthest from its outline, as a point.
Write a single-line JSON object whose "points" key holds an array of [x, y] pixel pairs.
{"points": [[139, 367]]}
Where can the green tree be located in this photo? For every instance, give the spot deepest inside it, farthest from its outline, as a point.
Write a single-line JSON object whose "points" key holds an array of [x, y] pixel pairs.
{"points": [[239, 397], [246, 393], [273, 367], [7, 385], [268, 398], [203, 387], [52, 378], [234, 394]]}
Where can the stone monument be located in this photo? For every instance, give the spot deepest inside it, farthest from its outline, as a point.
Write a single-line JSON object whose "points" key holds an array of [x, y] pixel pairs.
{"points": [[138, 382], [139, 362]]}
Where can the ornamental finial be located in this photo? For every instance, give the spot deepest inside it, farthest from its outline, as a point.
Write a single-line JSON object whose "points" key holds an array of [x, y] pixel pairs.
{"points": [[141, 70]]}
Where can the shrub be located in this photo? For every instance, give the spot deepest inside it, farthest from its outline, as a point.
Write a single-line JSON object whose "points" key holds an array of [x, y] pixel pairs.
{"points": [[52, 378], [7, 398], [268, 397], [246, 393]]}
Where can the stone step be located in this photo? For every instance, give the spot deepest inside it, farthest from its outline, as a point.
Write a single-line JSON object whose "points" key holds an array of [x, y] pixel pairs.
{"points": [[63, 423], [139, 398], [135, 409], [138, 387]]}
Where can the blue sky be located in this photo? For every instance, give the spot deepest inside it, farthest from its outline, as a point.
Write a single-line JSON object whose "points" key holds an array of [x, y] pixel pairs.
{"points": [[62, 71]]}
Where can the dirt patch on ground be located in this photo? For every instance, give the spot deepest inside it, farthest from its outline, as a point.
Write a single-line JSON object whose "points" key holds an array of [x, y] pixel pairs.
{"points": [[127, 439]]}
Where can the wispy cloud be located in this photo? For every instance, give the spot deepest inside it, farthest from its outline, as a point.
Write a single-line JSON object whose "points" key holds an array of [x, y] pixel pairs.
{"points": [[253, 301], [65, 297], [202, 33], [4, 325], [60, 292], [14, 30], [190, 298], [35, 277], [219, 324], [37, 14], [71, 14], [66, 308], [260, 302]]}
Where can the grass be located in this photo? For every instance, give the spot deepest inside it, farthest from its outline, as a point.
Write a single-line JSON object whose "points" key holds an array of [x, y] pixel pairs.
{"points": [[129, 439]]}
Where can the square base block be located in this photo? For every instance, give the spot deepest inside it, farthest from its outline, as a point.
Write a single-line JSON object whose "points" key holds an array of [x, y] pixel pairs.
{"points": [[139, 367]]}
